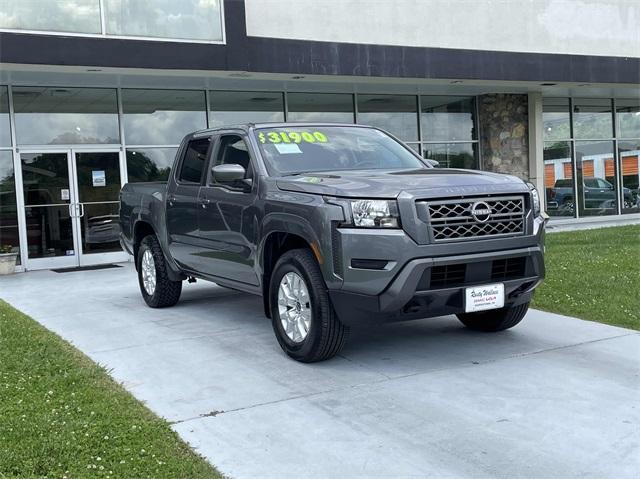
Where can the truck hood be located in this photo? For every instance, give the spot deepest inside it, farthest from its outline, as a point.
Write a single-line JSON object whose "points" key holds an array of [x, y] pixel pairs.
{"points": [[390, 183]]}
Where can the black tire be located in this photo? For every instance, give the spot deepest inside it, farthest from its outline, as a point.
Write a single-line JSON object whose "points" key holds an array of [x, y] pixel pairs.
{"points": [[495, 319], [326, 334], [167, 292]]}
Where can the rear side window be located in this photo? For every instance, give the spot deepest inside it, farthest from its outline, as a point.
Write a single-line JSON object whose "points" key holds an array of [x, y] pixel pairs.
{"points": [[194, 161]]}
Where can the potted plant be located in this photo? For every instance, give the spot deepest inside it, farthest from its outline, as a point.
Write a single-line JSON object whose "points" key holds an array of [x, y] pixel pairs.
{"points": [[7, 259]]}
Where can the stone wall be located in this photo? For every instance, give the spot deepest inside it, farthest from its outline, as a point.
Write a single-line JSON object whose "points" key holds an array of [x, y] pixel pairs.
{"points": [[504, 138]]}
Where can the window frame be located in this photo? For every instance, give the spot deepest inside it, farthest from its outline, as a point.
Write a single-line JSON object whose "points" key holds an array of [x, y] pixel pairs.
{"points": [[213, 162]]}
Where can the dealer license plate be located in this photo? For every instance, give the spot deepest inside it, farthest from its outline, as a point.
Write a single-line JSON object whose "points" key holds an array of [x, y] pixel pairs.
{"points": [[481, 298]]}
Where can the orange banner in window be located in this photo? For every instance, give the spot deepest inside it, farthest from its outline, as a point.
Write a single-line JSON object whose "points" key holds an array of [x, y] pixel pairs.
{"points": [[609, 170], [630, 165], [568, 171], [587, 169], [549, 176]]}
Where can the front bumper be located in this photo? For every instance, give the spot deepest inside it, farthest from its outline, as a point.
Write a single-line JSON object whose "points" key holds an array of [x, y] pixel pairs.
{"points": [[412, 294], [411, 285]]}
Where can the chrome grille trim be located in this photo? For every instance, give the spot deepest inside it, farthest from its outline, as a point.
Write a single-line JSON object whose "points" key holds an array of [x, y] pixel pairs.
{"points": [[451, 219]]}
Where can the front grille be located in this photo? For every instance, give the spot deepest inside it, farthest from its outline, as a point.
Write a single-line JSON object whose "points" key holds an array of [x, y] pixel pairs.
{"points": [[452, 220], [448, 275], [508, 268]]}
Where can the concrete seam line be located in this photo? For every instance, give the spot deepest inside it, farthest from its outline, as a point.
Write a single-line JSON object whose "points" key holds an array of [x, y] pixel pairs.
{"points": [[370, 383]]}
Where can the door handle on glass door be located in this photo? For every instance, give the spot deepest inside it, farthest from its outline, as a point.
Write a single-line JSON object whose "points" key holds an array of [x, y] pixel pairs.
{"points": [[81, 209]]}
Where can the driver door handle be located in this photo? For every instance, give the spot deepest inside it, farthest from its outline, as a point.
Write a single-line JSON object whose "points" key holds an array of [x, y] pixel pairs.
{"points": [[205, 201]]}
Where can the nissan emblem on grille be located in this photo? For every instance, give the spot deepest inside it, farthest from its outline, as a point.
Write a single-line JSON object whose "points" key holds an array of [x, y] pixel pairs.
{"points": [[460, 219], [481, 211]]}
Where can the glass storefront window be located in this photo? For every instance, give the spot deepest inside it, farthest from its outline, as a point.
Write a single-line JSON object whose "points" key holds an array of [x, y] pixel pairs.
{"points": [[597, 192], [54, 115], [5, 128], [628, 114], [233, 107], [186, 19], [629, 153], [447, 118], [162, 117], [320, 107], [78, 16], [556, 120], [149, 164], [8, 209], [559, 179], [452, 155], [397, 114], [592, 118]]}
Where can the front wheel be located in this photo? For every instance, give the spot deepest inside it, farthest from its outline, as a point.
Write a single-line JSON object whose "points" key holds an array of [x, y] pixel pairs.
{"points": [[302, 316], [157, 289], [495, 319]]}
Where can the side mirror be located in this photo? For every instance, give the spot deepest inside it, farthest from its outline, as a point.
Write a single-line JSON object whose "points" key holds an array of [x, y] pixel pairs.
{"points": [[228, 173], [433, 163]]}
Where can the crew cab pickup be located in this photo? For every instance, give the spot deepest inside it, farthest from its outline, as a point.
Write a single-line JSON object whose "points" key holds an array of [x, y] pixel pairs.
{"points": [[335, 225], [598, 193]]}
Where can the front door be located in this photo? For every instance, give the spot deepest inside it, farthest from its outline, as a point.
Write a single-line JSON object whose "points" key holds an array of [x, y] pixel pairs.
{"points": [[227, 217], [71, 207]]}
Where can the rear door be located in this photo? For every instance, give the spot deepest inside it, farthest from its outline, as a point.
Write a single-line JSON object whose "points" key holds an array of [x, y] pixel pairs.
{"points": [[182, 202], [227, 217]]}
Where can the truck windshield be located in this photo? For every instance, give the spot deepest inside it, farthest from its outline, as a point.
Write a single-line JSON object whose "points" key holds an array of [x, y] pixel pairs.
{"points": [[331, 148]]}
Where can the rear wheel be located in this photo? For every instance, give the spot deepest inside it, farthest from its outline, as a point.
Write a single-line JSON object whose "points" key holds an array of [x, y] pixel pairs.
{"points": [[495, 319], [157, 289], [302, 316]]}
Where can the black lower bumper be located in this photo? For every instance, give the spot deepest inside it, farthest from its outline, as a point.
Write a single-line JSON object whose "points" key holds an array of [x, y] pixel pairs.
{"points": [[429, 287]]}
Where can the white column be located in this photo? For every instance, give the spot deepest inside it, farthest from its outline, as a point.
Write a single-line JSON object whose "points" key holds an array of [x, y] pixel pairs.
{"points": [[536, 151]]}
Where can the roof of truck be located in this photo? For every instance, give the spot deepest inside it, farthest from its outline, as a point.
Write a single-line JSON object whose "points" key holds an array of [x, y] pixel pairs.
{"points": [[248, 126]]}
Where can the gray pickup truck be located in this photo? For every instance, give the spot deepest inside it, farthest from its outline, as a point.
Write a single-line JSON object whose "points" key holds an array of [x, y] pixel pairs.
{"points": [[335, 225]]}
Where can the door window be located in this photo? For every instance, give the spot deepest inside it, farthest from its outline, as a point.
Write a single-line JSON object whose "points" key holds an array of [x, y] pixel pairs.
{"points": [[233, 150], [194, 160]]}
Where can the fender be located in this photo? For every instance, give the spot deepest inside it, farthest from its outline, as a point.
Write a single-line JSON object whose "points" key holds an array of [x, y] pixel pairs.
{"points": [[284, 223]]}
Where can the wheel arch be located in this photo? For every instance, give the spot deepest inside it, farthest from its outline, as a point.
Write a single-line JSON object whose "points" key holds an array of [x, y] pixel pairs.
{"points": [[282, 233]]}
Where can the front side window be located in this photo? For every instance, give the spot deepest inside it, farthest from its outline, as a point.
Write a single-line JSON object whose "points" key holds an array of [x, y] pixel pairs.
{"points": [[233, 150], [194, 161], [297, 150]]}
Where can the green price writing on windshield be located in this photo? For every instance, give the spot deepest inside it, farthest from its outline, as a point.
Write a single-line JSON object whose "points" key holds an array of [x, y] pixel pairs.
{"points": [[292, 137]]}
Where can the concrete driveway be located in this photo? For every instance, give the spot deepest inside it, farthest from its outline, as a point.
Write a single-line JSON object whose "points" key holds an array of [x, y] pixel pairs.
{"points": [[554, 397]]}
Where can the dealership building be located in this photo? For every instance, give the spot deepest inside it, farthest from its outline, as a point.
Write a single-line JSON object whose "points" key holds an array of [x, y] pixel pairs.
{"points": [[97, 93]]}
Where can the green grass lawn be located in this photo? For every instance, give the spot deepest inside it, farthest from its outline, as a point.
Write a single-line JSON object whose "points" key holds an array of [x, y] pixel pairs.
{"points": [[594, 275], [61, 415]]}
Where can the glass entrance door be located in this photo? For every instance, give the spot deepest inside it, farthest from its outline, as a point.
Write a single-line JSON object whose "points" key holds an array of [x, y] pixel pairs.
{"points": [[71, 207], [98, 179], [49, 209]]}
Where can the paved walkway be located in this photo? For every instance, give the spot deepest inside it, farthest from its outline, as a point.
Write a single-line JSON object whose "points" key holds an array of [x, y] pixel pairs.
{"points": [[554, 397]]}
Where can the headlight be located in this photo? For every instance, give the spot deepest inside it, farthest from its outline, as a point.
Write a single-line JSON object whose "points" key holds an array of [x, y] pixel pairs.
{"points": [[375, 214], [536, 199]]}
